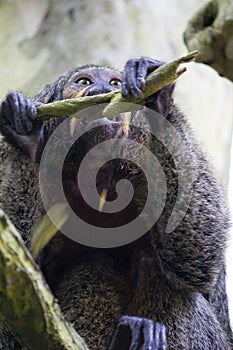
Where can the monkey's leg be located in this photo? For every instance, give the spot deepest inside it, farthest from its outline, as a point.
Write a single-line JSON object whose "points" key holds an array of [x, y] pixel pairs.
{"points": [[136, 333]]}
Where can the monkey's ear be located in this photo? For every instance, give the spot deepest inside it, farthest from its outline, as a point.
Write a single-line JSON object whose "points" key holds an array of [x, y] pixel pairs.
{"points": [[162, 100]]}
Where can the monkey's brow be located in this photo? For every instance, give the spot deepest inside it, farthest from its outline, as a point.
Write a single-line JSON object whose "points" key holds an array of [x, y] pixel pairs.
{"points": [[93, 67]]}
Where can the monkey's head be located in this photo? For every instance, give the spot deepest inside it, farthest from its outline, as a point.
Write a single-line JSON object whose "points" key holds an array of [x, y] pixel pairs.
{"points": [[82, 81], [92, 80], [87, 81], [21, 127]]}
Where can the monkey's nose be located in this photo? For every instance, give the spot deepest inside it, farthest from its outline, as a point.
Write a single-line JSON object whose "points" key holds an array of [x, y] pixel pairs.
{"points": [[98, 89]]}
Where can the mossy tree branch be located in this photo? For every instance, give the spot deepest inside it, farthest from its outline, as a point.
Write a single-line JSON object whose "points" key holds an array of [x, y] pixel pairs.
{"points": [[27, 305], [210, 31]]}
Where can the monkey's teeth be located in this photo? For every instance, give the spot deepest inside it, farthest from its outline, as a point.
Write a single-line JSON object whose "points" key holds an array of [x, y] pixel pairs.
{"points": [[103, 197], [126, 121]]}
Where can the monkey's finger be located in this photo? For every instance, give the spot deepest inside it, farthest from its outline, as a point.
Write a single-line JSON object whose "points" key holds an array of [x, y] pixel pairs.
{"points": [[142, 73], [136, 336], [3, 111], [32, 122], [160, 337], [5, 126], [25, 115], [129, 71], [13, 110], [146, 65], [31, 108], [148, 334], [23, 124], [129, 85], [10, 108]]}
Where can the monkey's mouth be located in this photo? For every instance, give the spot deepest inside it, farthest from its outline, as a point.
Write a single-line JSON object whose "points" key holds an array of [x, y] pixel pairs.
{"points": [[103, 192], [108, 189]]}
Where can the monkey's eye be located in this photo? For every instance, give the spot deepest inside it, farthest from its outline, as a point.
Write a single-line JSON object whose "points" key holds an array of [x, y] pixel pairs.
{"points": [[83, 82], [115, 83]]}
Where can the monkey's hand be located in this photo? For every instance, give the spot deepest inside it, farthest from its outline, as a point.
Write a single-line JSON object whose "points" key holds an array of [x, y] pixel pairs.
{"points": [[19, 125], [134, 80], [135, 333], [134, 75]]}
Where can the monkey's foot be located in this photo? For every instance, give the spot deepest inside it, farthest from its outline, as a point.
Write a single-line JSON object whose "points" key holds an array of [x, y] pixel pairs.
{"points": [[136, 333]]}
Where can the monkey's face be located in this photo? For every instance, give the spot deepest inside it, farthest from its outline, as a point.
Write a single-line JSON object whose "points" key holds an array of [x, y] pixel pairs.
{"points": [[112, 137], [92, 81], [87, 82]]}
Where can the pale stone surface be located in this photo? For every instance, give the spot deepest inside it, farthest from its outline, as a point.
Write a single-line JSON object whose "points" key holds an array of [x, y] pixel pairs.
{"points": [[16, 69], [40, 40]]}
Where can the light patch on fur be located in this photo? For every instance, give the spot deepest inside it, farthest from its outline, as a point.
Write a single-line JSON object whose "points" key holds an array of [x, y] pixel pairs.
{"points": [[73, 93], [125, 123], [73, 125], [103, 197]]}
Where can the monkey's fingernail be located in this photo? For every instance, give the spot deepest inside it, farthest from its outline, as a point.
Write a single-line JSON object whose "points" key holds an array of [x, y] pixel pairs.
{"points": [[103, 197], [136, 93], [141, 83], [124, 90]]}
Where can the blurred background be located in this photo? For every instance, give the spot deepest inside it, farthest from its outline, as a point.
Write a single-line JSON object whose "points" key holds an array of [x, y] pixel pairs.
{"points": [[40, 40]]}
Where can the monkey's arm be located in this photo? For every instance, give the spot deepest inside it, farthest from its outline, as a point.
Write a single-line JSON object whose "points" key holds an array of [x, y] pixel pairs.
{"points": [[19, 125], [193, 252]]}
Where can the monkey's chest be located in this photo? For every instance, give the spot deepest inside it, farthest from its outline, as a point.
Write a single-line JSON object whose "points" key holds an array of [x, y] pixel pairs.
{"points": [[92, 296], [109, 197]]}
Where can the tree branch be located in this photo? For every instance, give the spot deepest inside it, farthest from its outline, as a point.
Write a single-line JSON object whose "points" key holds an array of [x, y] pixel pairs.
{"points": [[27, 305], [155, 81], [210, 31]]}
